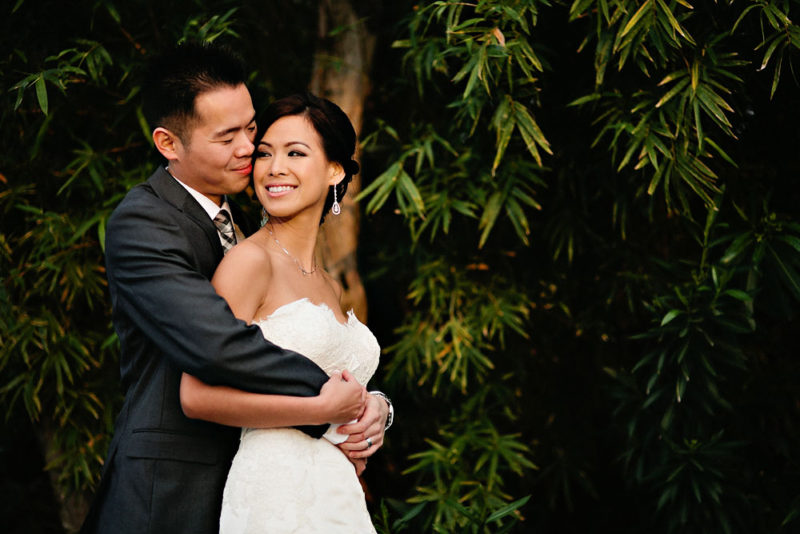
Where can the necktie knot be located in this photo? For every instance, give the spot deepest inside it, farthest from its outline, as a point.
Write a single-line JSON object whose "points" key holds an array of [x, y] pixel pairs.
{"points": [[224, 225]]}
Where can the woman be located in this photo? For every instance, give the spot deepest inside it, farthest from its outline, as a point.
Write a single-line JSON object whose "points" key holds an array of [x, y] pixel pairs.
{"points": [[282, 480]]}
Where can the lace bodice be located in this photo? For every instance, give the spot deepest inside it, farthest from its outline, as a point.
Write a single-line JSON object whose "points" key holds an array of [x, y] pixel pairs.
{"points": [[313, 331]]}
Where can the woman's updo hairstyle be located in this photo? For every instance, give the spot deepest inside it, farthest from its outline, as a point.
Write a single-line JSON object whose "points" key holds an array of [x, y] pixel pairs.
{"points": [[331, 124]]}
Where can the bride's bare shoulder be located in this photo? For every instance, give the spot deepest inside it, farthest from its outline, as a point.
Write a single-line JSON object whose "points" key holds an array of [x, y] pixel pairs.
{"points": [[247, 255], [247, 265], [334, 284]]}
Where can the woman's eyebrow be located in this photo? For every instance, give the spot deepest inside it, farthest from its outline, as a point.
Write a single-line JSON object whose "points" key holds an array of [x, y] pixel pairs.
{"points": [[290, 143]]}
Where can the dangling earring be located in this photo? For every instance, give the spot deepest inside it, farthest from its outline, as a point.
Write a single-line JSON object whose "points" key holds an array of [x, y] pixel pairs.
{"points": [[264, 216], [336, 209]]}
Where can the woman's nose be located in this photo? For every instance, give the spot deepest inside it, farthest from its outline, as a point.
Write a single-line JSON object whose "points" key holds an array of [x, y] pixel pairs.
{"points": [[276, 165]]}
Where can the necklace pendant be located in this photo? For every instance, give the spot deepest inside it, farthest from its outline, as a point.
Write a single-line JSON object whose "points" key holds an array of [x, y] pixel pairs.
{"points": [[295, 260], [303, 271]]}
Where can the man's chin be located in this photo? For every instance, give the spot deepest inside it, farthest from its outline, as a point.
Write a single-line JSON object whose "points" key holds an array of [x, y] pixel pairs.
{"points": [[238, 185]]}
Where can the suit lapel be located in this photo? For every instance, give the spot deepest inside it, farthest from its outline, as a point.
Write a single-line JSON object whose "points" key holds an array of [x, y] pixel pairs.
{"points": [[168, 189]]}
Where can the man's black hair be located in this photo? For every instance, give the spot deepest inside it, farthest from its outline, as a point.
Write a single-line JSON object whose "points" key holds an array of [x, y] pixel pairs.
{"points": [[174, 80]]}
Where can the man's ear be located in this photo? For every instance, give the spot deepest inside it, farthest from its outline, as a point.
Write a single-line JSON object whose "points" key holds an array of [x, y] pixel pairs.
{"points": [[167, 143]]}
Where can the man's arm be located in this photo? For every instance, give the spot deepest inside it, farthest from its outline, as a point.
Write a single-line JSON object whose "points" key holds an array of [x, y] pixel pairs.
{"points": [[154, 282]]}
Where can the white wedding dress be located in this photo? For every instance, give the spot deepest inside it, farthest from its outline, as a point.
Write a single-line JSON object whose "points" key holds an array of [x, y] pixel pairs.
{"points": [[281, 480]]}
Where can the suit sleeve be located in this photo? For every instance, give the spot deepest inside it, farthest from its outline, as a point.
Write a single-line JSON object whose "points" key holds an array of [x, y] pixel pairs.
{"points": [[154, 279]]}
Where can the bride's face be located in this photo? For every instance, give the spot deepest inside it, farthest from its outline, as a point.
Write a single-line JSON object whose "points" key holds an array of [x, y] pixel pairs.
{"points": [[291, 173]]}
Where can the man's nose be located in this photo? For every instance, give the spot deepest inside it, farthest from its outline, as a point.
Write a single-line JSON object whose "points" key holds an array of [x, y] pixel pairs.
{"points": [[244, 146]]}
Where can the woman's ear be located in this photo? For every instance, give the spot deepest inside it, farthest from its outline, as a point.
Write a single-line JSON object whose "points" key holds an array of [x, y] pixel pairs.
{"points": [[336, 173], [167, 143]]}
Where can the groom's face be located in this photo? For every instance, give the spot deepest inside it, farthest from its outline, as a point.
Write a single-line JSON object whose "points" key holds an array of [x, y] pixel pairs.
{"points": [[216, 157]]}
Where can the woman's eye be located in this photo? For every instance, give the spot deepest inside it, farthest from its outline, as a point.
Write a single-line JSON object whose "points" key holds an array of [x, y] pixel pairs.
{"points": [[261, 154], [295, 153]]}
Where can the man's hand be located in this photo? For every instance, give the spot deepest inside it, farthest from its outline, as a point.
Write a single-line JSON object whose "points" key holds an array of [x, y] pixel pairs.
{"points": [[366, 434]]}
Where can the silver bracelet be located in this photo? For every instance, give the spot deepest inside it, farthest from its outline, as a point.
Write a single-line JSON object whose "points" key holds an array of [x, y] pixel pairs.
{"points": [[390, 418]]}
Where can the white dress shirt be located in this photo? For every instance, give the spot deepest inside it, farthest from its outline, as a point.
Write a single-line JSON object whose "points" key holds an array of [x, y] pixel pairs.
{"points": [[212, 209]]}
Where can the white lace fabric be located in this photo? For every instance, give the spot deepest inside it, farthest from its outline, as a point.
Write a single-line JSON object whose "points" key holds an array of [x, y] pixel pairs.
{"points": [[283, 481]]}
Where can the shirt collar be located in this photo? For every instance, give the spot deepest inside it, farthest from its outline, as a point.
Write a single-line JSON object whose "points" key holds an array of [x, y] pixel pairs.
{"points": [[206, 203]]}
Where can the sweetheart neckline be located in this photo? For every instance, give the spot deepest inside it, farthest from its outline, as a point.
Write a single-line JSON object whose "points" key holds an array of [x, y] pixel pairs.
{"points": [[321, 305]]}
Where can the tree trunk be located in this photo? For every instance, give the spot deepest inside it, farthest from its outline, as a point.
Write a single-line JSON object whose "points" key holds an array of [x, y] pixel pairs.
{"points": [[72, 505], [340, 72]]}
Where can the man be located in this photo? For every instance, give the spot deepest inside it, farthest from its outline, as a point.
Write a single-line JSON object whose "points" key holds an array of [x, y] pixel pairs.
{"points": [[164, 472]]}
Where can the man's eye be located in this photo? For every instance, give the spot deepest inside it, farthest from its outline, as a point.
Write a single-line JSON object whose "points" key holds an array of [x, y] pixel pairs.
{"points": [[227, 141]]}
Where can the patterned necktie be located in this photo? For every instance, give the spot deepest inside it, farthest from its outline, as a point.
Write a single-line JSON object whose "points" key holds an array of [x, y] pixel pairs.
{"points": [[225, 228]]}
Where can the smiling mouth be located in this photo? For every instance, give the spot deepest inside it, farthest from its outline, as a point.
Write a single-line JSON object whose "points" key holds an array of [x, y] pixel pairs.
{"points": [[280, 188]]}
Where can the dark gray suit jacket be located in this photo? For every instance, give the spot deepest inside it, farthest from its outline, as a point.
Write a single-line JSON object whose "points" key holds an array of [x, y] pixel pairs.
{"points": [[164, 472]]}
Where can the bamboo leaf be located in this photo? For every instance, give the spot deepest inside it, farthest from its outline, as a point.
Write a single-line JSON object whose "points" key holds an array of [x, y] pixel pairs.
{"points": [[678, 87], [708, 103], [698, 124], [651, 188], [406, 184], [790, 275], [489, 217], [504, 122], [738, 294], [776, 77], [641, 12], [585, 99], [672, 76], [695, 74], [41, 94], [669, 316], [791, 240], [509, 509], [674, 22], [742, 15], [719, 151], [516, 215], [531, 134], [578, 9], [770, 50]]}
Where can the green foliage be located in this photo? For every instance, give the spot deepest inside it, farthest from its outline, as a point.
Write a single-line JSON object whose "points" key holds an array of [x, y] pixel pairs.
{"points": [[74, 142], [560, 195], [581, 245], [462, 314], [467, 464]]}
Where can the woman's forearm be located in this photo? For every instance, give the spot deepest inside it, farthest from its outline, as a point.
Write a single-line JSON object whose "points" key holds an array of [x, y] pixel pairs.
{"points": [[234, 407]]}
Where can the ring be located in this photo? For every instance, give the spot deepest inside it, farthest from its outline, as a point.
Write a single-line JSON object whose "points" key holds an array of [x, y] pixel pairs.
{"points": [[369, 443]]}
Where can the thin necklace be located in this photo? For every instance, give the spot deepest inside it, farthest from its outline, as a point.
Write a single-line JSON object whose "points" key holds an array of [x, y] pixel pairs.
{"points": [[296, 261]]}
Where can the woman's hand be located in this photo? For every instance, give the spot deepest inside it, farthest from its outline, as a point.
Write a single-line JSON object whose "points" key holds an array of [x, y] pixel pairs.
{"points": [[370, 425], [342, 398]]}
